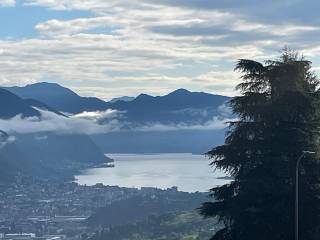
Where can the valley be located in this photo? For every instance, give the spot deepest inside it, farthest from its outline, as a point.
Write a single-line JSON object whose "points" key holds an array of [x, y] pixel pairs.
{"points": [[55, 146], [59, 210]]}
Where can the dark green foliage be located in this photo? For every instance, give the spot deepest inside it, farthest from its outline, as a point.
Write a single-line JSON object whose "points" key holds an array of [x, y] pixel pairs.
{"points": [[138, 208], [172, 226], [278, 119]]}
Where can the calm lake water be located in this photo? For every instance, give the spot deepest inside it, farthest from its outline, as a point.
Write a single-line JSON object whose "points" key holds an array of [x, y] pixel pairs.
{"points": [[186, 171]]}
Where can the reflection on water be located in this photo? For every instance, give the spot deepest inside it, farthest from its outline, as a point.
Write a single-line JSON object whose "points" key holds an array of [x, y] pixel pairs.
{"points": [[186, 171]]}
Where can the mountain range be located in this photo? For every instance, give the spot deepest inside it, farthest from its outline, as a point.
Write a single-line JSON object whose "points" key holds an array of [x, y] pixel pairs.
{"points": [[60, 98], [181, 121], [177, 106], [45, 154], [124, 98], [11, 105]]}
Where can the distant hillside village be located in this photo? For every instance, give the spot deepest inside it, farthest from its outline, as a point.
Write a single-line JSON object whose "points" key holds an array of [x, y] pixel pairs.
{"points": [[48, 210]]}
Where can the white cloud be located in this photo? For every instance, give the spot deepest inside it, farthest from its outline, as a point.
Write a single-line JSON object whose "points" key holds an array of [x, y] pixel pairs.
{"points": [[139, 37], [125, 42], [5, 139], [229, 77], [101, 122], [216, 123], [223, 82], [55, 28], [274, 29], [7, 3], [51, 122], [99, 115], [225, 110]]}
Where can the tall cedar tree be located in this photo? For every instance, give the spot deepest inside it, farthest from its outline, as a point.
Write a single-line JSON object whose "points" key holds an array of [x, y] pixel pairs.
{"points": [[278, 118]]}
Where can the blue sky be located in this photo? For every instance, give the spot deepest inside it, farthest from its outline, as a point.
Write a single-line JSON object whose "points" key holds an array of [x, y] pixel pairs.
{"points": [[19, 21], [125, 47]]}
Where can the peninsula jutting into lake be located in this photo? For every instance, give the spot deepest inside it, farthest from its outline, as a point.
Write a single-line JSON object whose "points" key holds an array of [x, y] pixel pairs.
{"points": [[159, 120]]}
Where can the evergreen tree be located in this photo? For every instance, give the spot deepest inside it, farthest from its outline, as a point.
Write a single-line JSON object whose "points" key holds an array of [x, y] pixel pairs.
{"points": [[278, 118]]}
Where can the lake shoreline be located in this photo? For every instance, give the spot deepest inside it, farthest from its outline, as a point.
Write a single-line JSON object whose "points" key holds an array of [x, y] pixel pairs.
{"points": [[187, 172]]}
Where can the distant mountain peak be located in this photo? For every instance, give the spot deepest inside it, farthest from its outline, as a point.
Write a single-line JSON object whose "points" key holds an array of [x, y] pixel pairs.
{"points": [[44, 84], [124, 98], [58, 97], [143, 96], [181, 91], [48, 86]]}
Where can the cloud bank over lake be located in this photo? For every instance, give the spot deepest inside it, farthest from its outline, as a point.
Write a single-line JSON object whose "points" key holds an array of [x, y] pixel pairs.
{"points": [[97, 122]]}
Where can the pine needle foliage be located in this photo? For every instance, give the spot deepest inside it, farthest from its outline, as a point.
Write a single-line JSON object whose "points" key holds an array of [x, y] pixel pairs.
{"points": [[278, 118]]}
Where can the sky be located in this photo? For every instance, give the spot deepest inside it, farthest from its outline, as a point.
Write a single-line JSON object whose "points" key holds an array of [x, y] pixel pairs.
{"points": [[113, 48]]}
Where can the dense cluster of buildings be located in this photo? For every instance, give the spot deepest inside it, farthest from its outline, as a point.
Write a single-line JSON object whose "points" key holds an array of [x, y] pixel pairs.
{"points": [[48, 210]]}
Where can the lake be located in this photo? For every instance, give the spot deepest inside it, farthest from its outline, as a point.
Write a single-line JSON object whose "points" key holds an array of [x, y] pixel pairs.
{"points": [[188, 172]]}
